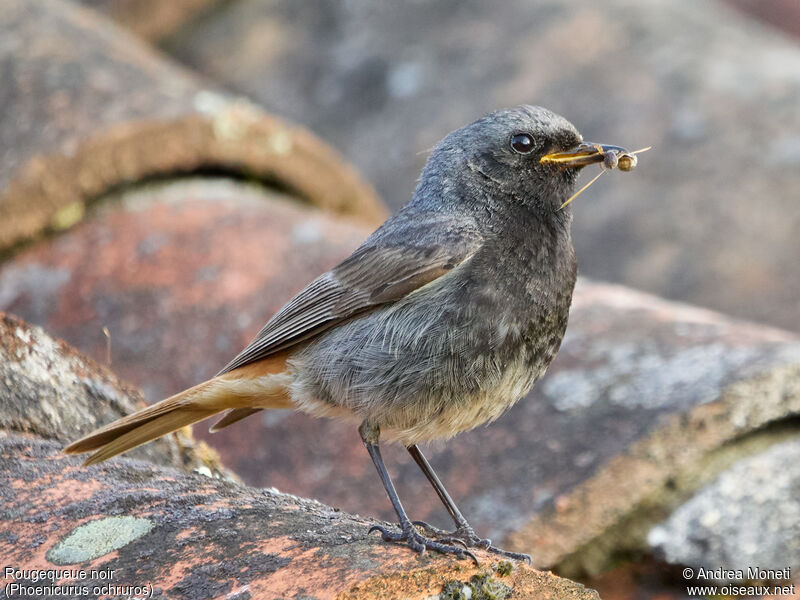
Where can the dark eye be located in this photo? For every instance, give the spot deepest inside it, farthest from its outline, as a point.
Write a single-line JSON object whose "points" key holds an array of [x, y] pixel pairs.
{"points": [[522, 143]]}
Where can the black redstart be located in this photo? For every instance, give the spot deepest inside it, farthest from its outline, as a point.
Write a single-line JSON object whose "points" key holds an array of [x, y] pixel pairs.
{"points": [[440, 321]]}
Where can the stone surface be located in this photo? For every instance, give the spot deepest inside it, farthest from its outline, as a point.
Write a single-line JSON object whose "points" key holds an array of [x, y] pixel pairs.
{"points": [[747, 517], [710, 215], [180, 274], [155, 531], [50, 391], [87, 108], [194, 537], [659, 395], [651, 410]]}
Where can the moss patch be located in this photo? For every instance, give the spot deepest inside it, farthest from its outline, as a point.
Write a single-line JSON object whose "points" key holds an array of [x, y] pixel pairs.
{"points": [[95, 539], [479, 587]]}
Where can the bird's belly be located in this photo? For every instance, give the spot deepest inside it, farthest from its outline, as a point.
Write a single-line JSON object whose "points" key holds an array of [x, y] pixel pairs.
{"points": [[458, 409], [418, 396], [426, 368]]}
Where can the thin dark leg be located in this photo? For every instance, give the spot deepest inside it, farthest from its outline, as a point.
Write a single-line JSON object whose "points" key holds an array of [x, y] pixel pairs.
{"points": [[408, 533], [375, 455], [437, 484], [464, 532]]}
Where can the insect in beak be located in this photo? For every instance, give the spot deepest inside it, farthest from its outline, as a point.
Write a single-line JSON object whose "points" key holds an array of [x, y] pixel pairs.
{"points": [[586, 154]]}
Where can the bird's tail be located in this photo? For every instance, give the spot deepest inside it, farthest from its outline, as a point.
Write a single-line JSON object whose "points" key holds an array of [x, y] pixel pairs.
{"points": [[241, 392]]}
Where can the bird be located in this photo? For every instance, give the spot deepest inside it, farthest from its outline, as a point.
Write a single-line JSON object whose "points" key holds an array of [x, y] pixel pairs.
{"points": [[440, 321]]}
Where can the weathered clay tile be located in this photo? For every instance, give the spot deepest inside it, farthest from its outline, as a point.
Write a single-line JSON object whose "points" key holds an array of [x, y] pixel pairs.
{"points": [[180, 274], [51, 391], [132, 524], [156, 531], [647, 402], [710, 216], [88, 108], [649, 410]]}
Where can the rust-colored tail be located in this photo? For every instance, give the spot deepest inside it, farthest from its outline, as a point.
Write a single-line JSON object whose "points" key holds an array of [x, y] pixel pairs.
{"points": [[242, 391], [233, 416]]}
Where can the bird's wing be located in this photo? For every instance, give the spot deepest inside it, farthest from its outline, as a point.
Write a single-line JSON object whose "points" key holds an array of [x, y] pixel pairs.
{"points": [[387, 267]]}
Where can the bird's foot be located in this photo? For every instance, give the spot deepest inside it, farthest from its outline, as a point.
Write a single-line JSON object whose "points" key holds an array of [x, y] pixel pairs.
{"points": [[465, 534], [419, 543]]}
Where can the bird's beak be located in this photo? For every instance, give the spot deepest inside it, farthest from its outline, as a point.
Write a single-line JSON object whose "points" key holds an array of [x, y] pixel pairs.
{"points": [[581, 155]]}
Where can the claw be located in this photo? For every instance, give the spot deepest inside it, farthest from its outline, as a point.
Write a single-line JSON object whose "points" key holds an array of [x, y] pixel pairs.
{"points": [[455, 541], [466, 536], [385, 535], [485, 543], [514, 555], [429, 527], [416, 541]]}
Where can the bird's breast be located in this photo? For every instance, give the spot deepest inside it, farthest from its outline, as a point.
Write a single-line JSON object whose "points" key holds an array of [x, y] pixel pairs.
{"points": [[445, 359]]}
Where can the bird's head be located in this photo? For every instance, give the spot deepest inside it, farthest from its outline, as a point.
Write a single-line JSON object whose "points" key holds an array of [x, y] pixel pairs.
{"points": [[524, 155]]}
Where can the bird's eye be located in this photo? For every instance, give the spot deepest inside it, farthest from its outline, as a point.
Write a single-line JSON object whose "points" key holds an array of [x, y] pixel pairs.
{"points": [[522, 143]]}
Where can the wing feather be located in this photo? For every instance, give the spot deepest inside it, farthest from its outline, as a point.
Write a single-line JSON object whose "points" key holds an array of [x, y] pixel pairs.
{"points": [[387, 267]]}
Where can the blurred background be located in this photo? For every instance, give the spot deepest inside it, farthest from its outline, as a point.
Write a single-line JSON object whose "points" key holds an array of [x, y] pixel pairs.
{"points": [[154, 182], [711, 216]]}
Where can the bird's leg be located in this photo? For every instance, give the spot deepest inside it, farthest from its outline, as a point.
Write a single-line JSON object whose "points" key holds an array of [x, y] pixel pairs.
{"points": [[408, 533], [464, 531], [462, 526]]}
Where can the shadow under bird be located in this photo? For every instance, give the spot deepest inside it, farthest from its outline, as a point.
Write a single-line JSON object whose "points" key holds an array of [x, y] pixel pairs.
{"points": [[440, 321]]}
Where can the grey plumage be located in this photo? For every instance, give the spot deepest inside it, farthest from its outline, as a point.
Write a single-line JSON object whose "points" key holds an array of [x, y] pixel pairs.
{"points": [[442, 319], [467, 344]]}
